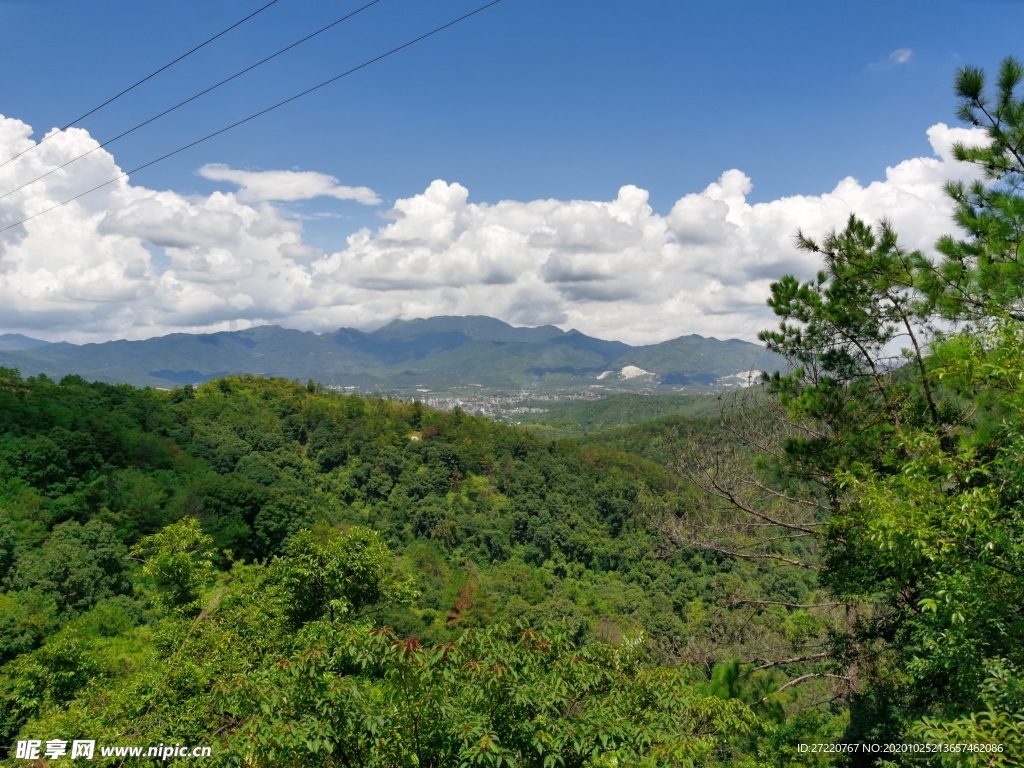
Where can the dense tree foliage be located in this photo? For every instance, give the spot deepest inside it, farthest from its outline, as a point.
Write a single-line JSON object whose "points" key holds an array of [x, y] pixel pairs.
{"points": [[177, 562]]}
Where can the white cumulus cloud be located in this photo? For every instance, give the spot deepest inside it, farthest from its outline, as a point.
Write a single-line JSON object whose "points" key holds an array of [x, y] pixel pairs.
{"points": [[133, 262], [286, 186]]}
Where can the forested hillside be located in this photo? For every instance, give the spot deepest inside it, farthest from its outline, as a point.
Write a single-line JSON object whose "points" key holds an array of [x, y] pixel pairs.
{"points": [[575, 419], [163, 553]]}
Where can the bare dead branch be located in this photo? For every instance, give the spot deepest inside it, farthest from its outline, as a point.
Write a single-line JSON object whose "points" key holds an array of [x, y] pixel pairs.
{"points": [[794, 660], [721, 492], [788, 537], [785, 497], [760, 556], [801, 679], [682, 541], [787, 605]]}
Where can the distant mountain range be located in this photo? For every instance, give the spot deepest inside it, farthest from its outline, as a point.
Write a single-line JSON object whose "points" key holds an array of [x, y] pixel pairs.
{"points": [[15, 342], [438, 354]]}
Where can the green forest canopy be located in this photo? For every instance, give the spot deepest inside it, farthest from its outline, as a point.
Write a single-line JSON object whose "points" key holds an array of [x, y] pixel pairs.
{"points": [[164, 551]]}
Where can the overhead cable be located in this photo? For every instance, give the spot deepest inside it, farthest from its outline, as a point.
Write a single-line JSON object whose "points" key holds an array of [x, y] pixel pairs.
{"points": [[135, 85], [192, 98], [257, 114]]}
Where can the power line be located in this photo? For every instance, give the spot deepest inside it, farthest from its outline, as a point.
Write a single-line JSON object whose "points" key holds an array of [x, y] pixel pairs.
{"points": [[192, 98], [140, 82], [257, 114]]}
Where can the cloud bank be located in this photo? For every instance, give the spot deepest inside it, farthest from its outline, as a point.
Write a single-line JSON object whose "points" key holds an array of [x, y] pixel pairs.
{"points": [[131, 262]]}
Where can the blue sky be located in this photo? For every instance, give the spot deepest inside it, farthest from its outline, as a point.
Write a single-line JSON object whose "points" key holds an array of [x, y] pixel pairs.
{"points": [[533, 99]]}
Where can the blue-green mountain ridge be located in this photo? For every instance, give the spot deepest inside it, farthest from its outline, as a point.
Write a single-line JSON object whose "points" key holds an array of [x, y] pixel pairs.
{"points": [[436, 354]]}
